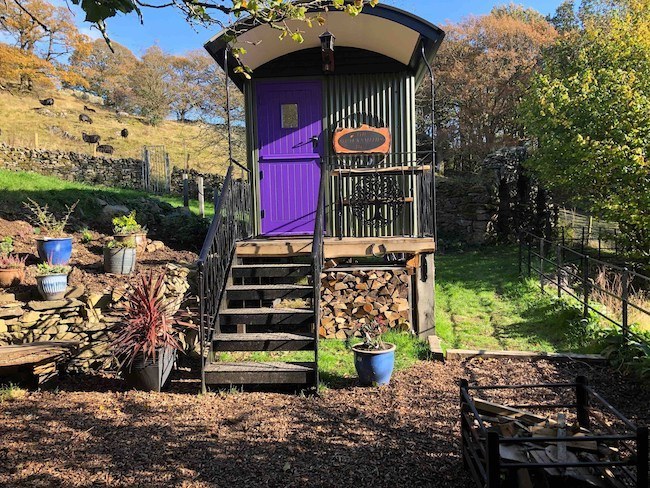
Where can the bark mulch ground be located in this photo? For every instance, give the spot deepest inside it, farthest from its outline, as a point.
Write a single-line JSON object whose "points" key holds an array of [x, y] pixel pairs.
{"points": [[91, 432]]}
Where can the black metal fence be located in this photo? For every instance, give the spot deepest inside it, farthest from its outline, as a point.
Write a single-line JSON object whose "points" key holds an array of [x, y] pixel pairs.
{"points": [[231, 222], [605, 241], [482, 442], [617, 294], [375, 195]]}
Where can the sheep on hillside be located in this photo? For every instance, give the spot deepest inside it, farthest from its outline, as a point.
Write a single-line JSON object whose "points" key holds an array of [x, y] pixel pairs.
{"points": [[90, 138], [47, 101], [105, 148], [124, 133], [85, 118], [89, 109]]}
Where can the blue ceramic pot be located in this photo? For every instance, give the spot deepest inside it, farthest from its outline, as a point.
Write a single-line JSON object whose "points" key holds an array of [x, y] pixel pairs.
{"points": [[54, 250], [374, 367], [52, 287]]}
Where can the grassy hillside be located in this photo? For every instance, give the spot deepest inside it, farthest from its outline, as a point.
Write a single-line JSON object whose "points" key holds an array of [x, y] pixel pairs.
{"points": [[21, 125]]}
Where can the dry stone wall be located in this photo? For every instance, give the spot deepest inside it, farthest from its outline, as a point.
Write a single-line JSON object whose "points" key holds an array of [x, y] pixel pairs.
{"points": [[87, 318], [71, 166], [99, 170]]}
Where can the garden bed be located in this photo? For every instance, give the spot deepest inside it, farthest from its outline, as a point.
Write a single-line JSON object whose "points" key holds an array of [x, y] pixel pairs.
{"points": [[93, 432]]}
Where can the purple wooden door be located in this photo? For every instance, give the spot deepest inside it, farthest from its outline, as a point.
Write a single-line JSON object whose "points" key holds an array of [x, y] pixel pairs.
{"points": [[289, 120]]}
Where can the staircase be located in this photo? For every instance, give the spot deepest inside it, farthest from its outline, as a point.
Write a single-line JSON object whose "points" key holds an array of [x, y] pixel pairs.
{"points": [[254, 317]]}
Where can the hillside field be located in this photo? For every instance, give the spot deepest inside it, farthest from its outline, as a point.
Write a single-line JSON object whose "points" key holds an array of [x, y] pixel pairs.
{"points": [[22, 125]]}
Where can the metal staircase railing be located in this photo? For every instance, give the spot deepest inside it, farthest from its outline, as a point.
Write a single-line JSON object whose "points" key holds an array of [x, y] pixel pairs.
{"points": [[232, 222], [317, 259]]}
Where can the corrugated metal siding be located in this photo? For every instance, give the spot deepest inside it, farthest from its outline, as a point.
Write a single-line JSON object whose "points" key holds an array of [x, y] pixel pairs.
{"points": [[350, 100], [376, 100]]}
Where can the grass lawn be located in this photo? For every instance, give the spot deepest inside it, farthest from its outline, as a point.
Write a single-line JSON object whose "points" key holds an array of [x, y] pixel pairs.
{"points": [[482, 304], [17, 186]]}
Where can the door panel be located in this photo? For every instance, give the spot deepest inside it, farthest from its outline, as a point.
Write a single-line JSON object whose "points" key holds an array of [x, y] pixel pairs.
{"points": [[289, 117]]}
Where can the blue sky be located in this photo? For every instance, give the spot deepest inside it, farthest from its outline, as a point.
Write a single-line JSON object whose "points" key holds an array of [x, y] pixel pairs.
{"points": [[168, 29]]}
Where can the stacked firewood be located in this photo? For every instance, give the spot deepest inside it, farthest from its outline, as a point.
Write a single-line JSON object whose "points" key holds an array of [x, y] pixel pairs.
{"points": [[350, 298]]}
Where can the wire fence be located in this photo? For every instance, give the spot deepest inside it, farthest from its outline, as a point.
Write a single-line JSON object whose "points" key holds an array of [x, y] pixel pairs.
{"points": [[619, 295]]}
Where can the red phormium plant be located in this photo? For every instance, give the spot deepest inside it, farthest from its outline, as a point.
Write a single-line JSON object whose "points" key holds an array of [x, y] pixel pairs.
{"points": [[148, 324]]}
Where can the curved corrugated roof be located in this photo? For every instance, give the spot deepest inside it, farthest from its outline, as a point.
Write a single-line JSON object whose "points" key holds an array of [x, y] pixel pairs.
{"points": [[383, 29]]}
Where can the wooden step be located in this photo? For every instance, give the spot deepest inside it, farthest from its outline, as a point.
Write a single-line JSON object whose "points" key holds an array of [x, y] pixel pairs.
{"points": [[268, 292], [252, 373], [266, 316], [263, 342], [275, 270]]}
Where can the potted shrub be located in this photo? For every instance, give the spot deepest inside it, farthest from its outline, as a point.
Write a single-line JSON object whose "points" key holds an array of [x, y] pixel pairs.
{"points": [[53, 246], [146, 343], [12, 267], [126, 227], [374, 359], [120, 256], [52, 280]]}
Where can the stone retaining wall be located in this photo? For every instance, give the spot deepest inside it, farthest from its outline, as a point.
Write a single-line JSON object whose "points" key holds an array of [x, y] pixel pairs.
{"points": [[88, 318], [71, 166]]}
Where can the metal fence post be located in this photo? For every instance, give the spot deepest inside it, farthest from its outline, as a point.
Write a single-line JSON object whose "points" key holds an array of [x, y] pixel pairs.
{"points": [[528, 245], [642, 457], [624, 299], [599, 240], [585, 287], [560, 274], [582, 401], [541, 263], [520, 253], [168, 174], [582, 242], [493, 461]]}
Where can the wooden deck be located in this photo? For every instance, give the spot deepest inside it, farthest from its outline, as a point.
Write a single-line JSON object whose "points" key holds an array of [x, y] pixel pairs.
{"points": [[348, 247]]}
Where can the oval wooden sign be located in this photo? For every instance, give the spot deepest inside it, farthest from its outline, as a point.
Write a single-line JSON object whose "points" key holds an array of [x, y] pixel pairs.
{"points": [[362, 140]]}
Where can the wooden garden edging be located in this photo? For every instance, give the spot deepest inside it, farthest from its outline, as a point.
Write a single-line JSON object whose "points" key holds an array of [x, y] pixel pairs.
{"points": [[40, 360]]}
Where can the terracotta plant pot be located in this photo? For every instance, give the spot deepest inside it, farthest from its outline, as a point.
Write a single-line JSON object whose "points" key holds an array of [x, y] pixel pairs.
{"points": [[11, 277], [140, 240]]}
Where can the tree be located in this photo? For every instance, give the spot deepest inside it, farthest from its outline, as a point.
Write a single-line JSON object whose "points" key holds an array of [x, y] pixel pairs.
{"points": [[39, 27], [482, 70], [150, 86], [107, 73], [24, 69], [277, 13], [589, 108], [191, 75]]}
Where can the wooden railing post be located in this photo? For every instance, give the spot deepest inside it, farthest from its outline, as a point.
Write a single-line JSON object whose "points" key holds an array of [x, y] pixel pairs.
{"points": [[199, 184]]}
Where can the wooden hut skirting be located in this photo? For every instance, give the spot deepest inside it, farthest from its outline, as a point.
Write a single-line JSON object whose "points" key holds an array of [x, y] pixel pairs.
{"points": [[356, 295]]}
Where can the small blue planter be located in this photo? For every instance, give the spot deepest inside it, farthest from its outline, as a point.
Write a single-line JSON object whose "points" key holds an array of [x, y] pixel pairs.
{"points": [[374, 367], [52, 287], [54, 250]]}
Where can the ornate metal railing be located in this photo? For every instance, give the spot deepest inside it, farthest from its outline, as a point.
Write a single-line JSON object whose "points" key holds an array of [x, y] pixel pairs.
{"points": [[382, 195], [231, 223], [317, 260]]}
